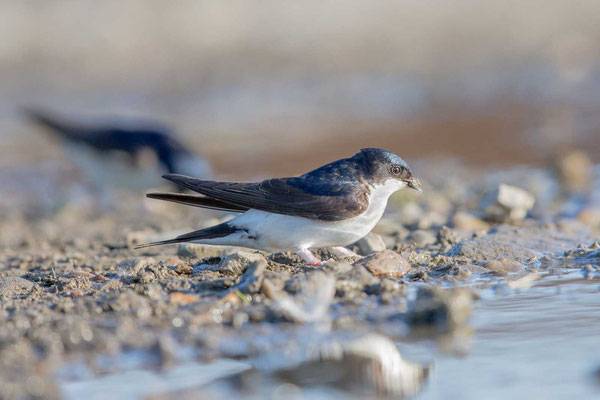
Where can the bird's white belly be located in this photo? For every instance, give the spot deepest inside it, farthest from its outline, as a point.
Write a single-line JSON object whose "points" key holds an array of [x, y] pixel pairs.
{"points": [[270, 231], [275, 232]]}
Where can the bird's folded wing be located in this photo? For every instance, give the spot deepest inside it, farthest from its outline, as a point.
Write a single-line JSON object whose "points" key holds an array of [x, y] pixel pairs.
{"points": [[197, 201], [290, 196]]}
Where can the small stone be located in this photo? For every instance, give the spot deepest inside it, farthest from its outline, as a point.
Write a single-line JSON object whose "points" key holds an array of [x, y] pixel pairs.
{"points": [[130, 302], [388, 227], [502, 267], [142, 263], [575, 170], [111, 284], [14, 286], [336, 267], [252, 278], [237, 263], [180, 298], [587, 271], [231, 298], [270, 290], [448, 237], [431, 219], [468, 222], [276, 279], [370, 244], [422, 238], [184, 270], [590, 216], [153, 291], [385, 263], [99, 278], [507, 204], [239, 319]]}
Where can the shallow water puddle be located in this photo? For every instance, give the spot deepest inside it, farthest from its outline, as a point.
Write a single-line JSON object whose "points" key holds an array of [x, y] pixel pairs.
{"points": [[138, 383], [538, 343]]}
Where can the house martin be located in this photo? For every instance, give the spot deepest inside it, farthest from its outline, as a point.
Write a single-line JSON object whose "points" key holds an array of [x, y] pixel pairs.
{"points": [[330, 207]]}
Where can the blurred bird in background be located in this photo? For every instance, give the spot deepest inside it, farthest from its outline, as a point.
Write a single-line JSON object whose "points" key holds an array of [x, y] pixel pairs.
{"points": [[121, 154]]}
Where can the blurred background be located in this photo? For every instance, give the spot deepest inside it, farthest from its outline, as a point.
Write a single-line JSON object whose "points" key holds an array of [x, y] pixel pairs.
{"points": [[278, 87]]}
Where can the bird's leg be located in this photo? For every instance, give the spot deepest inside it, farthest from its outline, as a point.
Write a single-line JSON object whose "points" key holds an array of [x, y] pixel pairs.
{"points": [[308, 257], [343, 252]]}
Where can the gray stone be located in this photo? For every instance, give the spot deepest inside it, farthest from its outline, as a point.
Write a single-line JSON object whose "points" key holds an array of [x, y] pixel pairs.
{"points": [[252, 279], [370, 244], [507, 204], [575, 170], [237, 263], [469, 222], [336, 267], [422, 238]]}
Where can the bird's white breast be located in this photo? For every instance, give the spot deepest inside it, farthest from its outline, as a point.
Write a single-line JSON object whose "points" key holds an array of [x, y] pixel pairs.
{"points": [[272, 232]]}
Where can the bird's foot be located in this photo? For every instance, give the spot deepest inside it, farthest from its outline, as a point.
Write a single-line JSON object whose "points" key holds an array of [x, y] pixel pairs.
{"points": [[308, 257], [343, 252]]}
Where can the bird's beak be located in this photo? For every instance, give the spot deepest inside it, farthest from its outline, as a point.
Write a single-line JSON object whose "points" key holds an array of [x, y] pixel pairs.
{"points": [[414, 184]]}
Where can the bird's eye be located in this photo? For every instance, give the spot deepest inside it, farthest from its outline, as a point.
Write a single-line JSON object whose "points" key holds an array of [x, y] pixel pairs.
{"points": [[396, 170]]}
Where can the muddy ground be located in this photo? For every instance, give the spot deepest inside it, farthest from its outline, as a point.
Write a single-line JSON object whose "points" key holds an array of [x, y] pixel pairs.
{"points": [[78, 302]]}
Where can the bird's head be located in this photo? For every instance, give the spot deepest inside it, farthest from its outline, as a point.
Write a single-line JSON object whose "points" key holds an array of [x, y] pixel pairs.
{"points": [[386, 167]]}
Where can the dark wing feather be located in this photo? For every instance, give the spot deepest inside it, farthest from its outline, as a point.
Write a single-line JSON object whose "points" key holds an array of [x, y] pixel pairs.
{"points": [[197, 201], [327, 201], [212, 232]]}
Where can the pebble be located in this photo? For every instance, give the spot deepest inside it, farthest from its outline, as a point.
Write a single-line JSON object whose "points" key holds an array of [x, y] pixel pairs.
{"points": [[180, 298], [469, 222], [252, 278], [336, 267], [507, 204], [575, 170], [370, 244], [502, 267], [590, 216], [385, 263], [431, 219], [422, 238], [410, 213], [238, 262]]}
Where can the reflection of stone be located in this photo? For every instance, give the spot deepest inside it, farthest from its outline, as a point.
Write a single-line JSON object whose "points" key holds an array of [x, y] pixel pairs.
{"points": [[441, 309], [362, 365], [443, 314], [366, 365]]}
